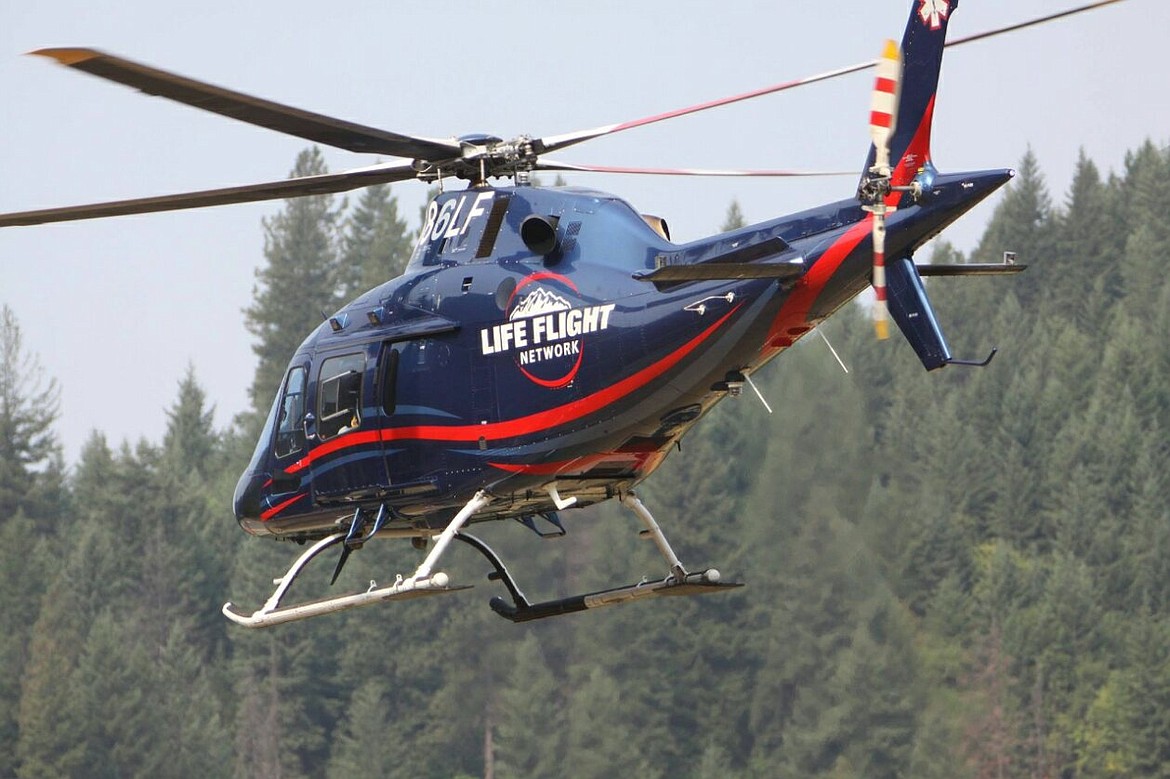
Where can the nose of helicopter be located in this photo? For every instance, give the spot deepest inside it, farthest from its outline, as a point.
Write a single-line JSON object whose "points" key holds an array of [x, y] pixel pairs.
{"points": [[246, 502]]}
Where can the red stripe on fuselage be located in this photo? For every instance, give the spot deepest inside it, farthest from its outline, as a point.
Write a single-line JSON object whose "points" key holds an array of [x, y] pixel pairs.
{"points": [[356, 438], [272, 512], [520, 426], [550, 469], [634, 461], [793, 315]]}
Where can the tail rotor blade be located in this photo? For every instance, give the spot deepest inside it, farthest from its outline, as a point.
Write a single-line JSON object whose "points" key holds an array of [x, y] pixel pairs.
{"points": [[881, 312], [883, 114], [887, 90]]}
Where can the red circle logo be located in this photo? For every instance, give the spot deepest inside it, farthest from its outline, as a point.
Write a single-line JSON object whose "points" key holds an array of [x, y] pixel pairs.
{"points": [[551, 329]]}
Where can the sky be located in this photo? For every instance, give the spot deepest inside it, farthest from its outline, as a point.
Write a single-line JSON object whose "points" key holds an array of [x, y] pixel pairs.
{"points": [[117, 310]]}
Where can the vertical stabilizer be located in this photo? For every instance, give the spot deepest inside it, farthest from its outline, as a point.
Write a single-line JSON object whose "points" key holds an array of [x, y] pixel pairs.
{"points": [[922, 52]]}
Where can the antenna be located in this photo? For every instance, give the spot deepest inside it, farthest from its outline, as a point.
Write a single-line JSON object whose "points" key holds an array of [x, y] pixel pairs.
{"points": [[825, 338]]}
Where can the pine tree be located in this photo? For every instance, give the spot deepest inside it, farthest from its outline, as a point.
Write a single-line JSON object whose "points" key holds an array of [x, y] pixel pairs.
{"points": [[366, 744], [113, 722], [33, 505], [30, 454], [1105, 740], [1023, 223], [990, 741], [734, 218], [376, 245], [298, 283], [1124, 733], [597, 741], [188, 549], [1090, 242], [1143, 270], [285, 680], [185, 700], [531, 719], [1146, 191], [190, 442], [876, 690], [25, 567], [52, 707]]}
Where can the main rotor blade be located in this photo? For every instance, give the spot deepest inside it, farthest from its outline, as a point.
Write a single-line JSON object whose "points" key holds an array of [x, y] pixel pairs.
{"points": [[1031, 23], [568, 166], [555, 142], [254, 110], [323, 184]]}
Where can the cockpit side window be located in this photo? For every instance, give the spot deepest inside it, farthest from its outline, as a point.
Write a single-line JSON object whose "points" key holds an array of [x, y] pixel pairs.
{"points": [[290, 432], [388, 379], [339, 396]]}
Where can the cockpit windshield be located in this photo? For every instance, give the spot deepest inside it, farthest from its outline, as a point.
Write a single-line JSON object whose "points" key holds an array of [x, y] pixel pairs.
{"points": [[290, 433]]}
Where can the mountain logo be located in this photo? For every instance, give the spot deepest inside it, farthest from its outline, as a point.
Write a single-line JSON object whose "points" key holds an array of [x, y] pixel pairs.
{"points": [[539, 301], [544, 332]]}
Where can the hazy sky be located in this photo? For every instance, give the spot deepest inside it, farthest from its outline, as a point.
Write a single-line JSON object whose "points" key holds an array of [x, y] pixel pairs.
{"points": [[117, 309]]}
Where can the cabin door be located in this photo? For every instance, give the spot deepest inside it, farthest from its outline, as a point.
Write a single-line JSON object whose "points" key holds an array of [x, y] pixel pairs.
{"points": [[347, 463]]}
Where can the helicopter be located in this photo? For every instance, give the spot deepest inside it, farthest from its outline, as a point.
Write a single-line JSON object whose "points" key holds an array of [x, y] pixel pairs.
{"points": [[547, 348]]}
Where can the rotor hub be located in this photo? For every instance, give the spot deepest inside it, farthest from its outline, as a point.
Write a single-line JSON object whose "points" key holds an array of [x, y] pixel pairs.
{"points": [[483, 156]]}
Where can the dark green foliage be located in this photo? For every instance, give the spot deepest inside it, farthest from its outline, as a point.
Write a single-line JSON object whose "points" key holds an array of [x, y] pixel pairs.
{"points": [[299, 282], [33, 501], [376, 244], [960, 574], [30, 457], [362, 747], [531, 719], [22, 582]]}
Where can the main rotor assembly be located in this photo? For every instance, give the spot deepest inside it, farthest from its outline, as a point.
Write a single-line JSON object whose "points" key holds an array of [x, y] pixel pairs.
{"points": [[475, 158]]}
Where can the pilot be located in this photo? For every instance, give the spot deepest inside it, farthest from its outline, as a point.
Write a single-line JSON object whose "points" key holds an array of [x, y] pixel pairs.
{"points": [[354, 424]]}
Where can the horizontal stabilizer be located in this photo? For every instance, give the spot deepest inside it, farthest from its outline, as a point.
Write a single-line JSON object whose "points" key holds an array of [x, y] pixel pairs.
{"points": [[971, 269], [715, 271], [771, 258]]}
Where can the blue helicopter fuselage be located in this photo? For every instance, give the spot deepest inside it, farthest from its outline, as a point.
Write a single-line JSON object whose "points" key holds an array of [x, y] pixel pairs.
{"points": [[541, 375]]}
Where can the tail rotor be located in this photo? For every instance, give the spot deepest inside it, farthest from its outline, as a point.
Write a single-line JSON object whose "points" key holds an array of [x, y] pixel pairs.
{"points": [[875, 187]]}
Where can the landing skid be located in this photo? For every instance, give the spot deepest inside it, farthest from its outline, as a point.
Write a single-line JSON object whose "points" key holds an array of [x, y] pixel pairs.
{"points": [[424, 581], [677, 582], [421, 582]]}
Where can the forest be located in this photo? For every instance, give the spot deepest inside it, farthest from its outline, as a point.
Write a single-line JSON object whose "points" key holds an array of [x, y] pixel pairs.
{"points": [[957, 574]]}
